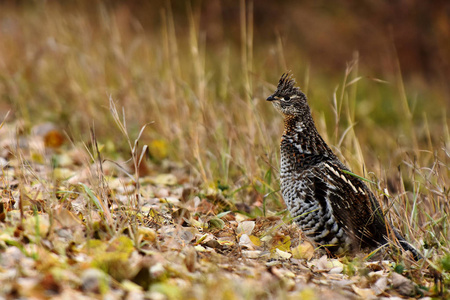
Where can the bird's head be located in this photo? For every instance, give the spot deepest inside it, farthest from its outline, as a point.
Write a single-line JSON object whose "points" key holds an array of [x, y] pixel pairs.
{"points": [[289, 99]]}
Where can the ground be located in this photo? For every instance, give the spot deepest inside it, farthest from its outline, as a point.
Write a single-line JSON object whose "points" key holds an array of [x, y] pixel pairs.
{"points": [[82, 230]]}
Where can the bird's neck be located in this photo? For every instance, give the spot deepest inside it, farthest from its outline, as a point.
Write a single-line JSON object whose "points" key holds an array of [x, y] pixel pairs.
{"points": [[301, 132]]}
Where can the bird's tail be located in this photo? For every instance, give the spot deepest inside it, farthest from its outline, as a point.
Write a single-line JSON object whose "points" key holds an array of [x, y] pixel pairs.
{"points": [[407, 246]]}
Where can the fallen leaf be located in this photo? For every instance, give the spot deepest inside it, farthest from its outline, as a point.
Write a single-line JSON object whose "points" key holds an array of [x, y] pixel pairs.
{"points": [[66, 219], [199, 248], [244, 241], [165, 179], [402, 284], [63, 173], [37, 226], [246, 227], [380, 285], [366, 294], [251, 253], [158, 149], [283, 243], [53, 139], [305, 250], [255, 240], [283, 254], [146, 234], [190, 258], [216, 223], [326, 264]]}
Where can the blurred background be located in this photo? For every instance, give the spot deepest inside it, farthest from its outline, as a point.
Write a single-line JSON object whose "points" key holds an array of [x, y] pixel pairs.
{"points": [[376, 74]]}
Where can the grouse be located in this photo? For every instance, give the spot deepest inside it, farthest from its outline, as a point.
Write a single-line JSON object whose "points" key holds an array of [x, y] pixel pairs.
{"points": [[330, 204]]}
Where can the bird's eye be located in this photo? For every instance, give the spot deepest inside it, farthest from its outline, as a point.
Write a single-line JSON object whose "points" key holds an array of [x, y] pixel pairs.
{"points": [[287, 98]]}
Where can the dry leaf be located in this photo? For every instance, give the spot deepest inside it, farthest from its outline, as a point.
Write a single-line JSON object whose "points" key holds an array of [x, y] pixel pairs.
{"points": [[63, 173], [199, 248], [251, 253], [283, 254], [190, 258], [283, 243], [165, 179], [246, 227], [53, 139], [244, 241], [66, 219], [158, 149], [305, 250], [380, 285], [366, 294], [37, 226], [146, 234], [324, 263], [255, 240], [404, 286]]}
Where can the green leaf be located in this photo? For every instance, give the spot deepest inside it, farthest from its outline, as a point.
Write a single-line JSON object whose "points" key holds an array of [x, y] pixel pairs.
{"points": [[216, 223], [92, 196], [223, 214]]}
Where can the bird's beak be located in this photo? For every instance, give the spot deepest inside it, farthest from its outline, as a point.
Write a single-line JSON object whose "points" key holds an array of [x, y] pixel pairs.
{"points": [[271, 98]]}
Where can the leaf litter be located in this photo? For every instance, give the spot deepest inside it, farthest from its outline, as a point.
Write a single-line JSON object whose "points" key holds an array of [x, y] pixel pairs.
{"points": [[65, 235]]}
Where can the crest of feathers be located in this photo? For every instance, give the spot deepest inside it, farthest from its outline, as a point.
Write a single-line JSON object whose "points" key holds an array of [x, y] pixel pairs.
{"points": [[286, 85]]}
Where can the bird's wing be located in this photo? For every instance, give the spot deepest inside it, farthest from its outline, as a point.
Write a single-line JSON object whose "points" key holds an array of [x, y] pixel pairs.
{"points": [[354, 205]]}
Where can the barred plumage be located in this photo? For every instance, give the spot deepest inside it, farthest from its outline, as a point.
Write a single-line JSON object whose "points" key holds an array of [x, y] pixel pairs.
{"points": [[332, 206]]}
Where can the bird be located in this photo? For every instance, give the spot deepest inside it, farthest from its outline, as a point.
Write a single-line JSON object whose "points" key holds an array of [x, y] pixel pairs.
{"points": [[332, 206]]}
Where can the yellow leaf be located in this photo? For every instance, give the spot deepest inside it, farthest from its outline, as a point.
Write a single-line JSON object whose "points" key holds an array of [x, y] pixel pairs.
{"points": [[95, 245], [114, 259], [284, 244], [158, 149], [226, 243], [255, 240], [147, 234], [199, 248], [165, 179], [202, 238], [121, 244], [63, 173], [37, 157], [130, 286], [303, 251], [37, 226], [307, 294], [168, 290]]}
